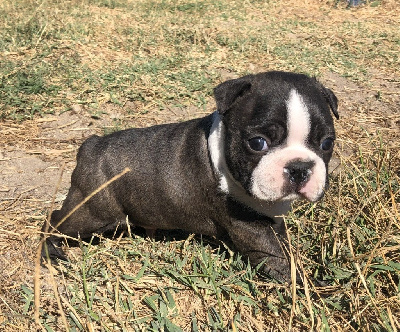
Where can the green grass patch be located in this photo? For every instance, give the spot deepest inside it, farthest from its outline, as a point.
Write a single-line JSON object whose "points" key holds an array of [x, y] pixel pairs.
{"points": [[167, 49]]}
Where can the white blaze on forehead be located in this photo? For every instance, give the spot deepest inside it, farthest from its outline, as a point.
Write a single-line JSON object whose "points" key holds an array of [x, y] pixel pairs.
{"points": [[298, 119]]}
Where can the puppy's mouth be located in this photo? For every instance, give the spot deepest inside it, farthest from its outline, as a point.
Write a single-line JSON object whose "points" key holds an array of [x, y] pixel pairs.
{"points": [[293, 195], [300, 192]]}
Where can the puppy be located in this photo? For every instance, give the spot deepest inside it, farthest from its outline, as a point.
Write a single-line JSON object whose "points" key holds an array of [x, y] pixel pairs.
{"points": [[233, 173]]}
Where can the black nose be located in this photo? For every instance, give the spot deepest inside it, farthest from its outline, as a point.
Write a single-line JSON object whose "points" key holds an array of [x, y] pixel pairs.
{"points": [[298, 172]]}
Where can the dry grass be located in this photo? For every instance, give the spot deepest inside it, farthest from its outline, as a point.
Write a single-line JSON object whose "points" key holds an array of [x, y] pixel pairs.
{"points": [[102, 65]]}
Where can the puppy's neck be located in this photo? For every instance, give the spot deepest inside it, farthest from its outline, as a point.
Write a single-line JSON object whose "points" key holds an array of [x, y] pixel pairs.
{"points": [[229, 185]]}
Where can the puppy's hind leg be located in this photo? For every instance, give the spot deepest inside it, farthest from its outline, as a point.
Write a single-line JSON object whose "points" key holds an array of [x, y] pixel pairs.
{"points": [[60, 224], [51, 247], [81, 223]]}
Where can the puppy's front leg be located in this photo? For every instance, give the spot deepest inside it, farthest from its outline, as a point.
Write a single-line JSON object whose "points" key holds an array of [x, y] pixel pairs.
{"points": [[262, 242]]}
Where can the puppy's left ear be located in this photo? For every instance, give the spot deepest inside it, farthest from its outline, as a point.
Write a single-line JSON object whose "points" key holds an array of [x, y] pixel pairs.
{"points": [[228, 92], [330, 98]]}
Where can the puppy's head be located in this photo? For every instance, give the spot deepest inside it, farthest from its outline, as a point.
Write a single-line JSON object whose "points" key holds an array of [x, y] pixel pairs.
{"points": [[273, 136]]}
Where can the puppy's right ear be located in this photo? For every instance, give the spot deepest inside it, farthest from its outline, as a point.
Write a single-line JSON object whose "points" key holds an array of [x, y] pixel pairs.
{"points": [[226, 93]]}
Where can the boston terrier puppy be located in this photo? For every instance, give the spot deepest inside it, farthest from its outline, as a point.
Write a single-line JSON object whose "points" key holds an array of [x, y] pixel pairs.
{"points": [[232, 174]]}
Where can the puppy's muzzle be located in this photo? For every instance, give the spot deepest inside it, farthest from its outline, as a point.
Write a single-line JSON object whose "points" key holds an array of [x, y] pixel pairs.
{"points": [[298, 173]]}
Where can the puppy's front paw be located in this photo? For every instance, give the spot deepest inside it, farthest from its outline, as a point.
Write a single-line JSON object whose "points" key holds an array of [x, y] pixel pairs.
{"points": [[276, 268]]}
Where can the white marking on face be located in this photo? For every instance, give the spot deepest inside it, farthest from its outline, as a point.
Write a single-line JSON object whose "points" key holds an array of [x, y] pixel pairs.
{"points": [[269, 178]]}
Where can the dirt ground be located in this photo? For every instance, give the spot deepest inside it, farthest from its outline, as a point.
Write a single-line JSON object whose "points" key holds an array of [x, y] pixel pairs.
{"points": [[33, 153]]}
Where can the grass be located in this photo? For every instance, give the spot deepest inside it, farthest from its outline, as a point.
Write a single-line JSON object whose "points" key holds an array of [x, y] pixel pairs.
{"points": [[57, 54], [349, 242], [162, 54], [358, 248]]}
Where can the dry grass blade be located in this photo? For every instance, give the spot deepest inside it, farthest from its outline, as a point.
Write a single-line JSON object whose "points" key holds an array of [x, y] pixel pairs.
{"points": [[362, 278], [38, 260]]}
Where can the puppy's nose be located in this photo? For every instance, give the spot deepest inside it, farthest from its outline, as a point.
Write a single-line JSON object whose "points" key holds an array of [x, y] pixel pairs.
{"points": [[298, 172]]}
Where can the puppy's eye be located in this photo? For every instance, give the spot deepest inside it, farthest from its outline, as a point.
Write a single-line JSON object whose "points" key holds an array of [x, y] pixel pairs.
{"points": [[258, 144], [327, 144]]}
